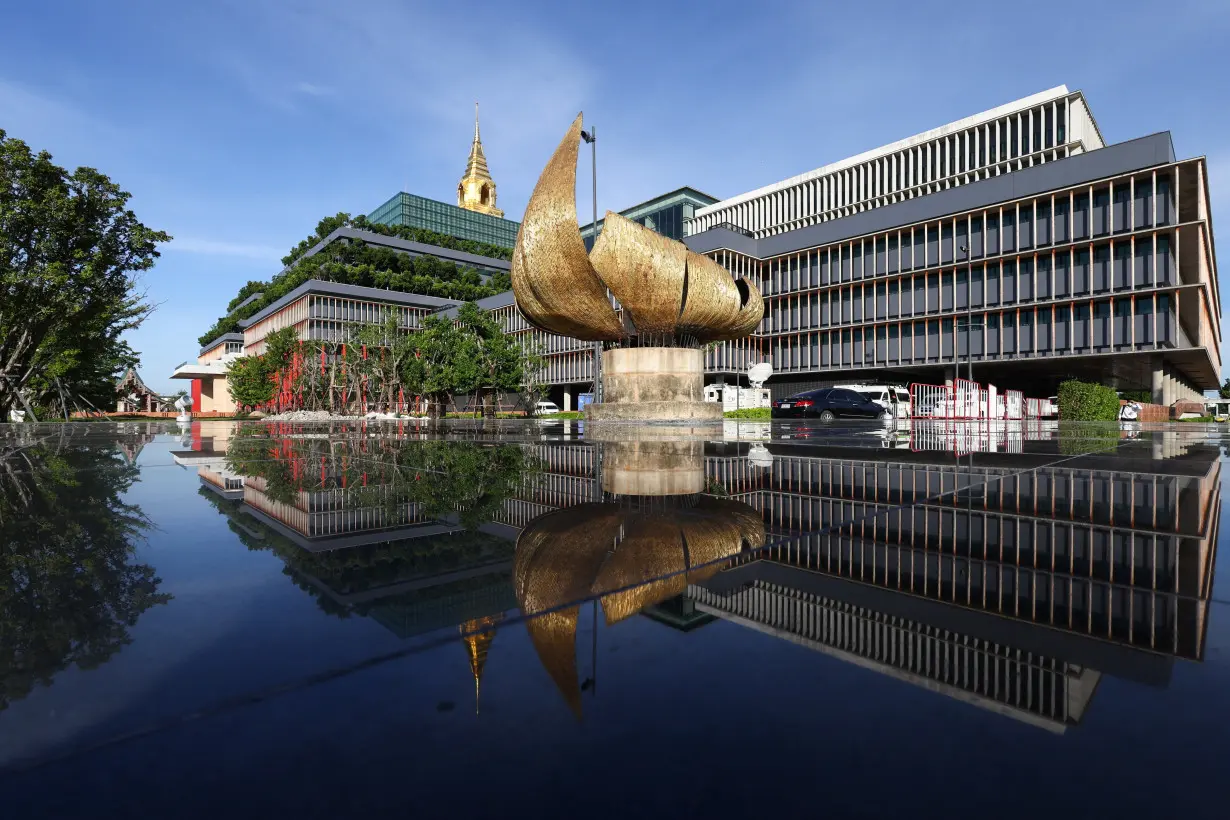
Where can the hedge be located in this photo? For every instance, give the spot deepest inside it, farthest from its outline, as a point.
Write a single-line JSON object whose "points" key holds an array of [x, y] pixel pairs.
{"points": [[1084, 401], [757, 413]]}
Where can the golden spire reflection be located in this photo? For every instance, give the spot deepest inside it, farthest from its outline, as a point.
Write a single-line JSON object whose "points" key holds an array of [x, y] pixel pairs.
{"points": [[477, 635]]}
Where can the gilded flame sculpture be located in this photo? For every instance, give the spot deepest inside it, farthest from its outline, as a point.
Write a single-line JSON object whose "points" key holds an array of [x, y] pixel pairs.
{"points": [[670, 296], [673, 300]]}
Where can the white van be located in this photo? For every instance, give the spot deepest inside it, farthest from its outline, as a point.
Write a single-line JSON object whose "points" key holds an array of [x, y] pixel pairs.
{"points": [[544, 408], [894, 399]]}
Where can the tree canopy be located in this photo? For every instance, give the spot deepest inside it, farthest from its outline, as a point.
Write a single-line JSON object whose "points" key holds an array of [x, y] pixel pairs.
{"points": [[69, 249]]}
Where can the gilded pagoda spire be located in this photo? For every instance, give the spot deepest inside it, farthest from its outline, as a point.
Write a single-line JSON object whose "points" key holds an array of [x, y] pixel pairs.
{"points": [[477, 635], [476, 191]]}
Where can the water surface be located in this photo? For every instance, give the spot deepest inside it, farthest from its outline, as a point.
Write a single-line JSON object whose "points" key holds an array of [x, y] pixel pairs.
{"points": [[528, 619]]}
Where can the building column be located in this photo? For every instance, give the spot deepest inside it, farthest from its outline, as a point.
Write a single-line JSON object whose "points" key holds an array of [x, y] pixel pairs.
{"points": [[1158, 379], [950, 376], [567, 399]]}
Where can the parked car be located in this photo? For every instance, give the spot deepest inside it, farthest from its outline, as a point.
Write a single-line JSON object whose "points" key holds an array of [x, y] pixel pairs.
{"points": [[544, 408], [828, 404]]}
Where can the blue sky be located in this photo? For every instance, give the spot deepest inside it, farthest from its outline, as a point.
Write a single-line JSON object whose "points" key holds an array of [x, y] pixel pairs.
{"points": [[237, 125]]}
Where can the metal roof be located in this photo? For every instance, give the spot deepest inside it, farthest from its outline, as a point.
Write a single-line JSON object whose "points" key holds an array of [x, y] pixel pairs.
{"points": [[394, 297], [225, 337], [415, 248], [1113, 160]]}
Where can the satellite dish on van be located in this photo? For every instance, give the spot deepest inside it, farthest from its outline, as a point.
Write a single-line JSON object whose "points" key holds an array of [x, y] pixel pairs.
{"points": [[758, 374]]}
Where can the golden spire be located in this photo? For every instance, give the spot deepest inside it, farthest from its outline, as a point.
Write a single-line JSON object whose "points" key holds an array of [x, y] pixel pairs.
{"points": [[476, 191], [477, 635]]}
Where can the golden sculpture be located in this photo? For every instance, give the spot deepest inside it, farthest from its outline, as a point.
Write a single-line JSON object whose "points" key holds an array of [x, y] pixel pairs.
{"points": [[476, 191], [630, 558], [666, 291]]}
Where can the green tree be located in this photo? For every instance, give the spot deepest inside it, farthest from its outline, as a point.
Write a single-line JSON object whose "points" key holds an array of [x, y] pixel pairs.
{"points": [[282, 358], [67, 540], [533, 387], [387, 348], [69, 249], [252, 288], [437, 369], [1224, 392], [324, 227], [249, 382], [499, 361]]}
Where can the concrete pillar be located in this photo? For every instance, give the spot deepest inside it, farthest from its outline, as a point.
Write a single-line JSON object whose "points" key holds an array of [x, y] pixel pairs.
{"points": [[567, 400], [1167, 387], [950, 376], [1157, 380]]}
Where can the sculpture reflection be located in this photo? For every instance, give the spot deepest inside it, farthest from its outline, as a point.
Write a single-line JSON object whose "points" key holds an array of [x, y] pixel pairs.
{"points": [[629, 552]]}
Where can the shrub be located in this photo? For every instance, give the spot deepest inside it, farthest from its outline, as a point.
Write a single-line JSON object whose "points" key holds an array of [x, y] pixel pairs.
{"points": [[756, 413], [1084, 401]]}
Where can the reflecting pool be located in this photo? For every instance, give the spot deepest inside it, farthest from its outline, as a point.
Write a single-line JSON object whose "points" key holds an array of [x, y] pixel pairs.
{"points": [[504, 618]]}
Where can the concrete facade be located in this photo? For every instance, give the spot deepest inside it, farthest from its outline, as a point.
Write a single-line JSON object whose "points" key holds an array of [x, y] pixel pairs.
{"points": [[1103, 260], [1041, 128]]}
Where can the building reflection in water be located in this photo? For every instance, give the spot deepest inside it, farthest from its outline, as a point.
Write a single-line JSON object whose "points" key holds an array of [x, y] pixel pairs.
{"points": [[1007, 583], [1013, 582]]}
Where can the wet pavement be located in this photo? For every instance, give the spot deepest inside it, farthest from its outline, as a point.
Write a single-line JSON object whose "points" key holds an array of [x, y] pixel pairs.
{"points": [[538, 619]]}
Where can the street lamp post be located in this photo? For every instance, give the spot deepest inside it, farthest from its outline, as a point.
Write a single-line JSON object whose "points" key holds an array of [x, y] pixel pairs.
{"points": [[591, 137], [969, 311]]}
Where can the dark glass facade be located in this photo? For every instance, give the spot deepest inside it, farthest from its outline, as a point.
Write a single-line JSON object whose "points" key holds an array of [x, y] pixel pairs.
{"points": [[421, 212], [664, 214]]}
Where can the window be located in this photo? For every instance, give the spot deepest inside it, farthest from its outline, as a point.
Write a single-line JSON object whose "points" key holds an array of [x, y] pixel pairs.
{"points": [[1042, 226], [1101, 212], [1080, 217]]}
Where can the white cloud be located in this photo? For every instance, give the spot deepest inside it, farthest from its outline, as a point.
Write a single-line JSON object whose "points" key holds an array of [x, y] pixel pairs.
{"points": [[212, 247]]}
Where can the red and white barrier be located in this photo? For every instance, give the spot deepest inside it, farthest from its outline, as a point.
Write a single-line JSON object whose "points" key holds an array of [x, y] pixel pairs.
{"points": [[1014, 404], [930, 401], [969, 400]]}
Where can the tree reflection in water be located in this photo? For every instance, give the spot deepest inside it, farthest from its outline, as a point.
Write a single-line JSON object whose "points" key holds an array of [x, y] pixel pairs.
{"points": [[69, 588]]}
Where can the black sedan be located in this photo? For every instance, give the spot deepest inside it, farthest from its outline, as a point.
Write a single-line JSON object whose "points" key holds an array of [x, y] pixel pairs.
{"points": [[827, 404]]}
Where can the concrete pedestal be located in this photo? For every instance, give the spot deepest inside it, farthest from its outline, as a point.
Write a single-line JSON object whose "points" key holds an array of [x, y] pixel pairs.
{"points": [[654, 384], [653, 468]]}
